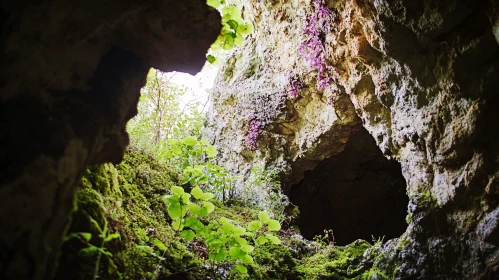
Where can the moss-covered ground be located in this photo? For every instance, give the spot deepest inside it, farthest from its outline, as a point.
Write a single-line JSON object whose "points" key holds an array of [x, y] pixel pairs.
{"points": [[129, 196]]}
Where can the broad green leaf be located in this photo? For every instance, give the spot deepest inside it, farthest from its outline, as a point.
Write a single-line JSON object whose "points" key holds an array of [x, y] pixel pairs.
{"points": [[190, 141], [194, 208], [245, 29], [239, 231], [247, 259], [203, 212], [211, 151], [220, 256], [171, 199], [209, 206], [207, 196], [177, 225], [228, 227], [188, 235], [254, 226], [264, 217], [89, 251], [261, 240], [223, 220], [241, 241], [237, 253], [274, 239], [233, 24], [274, 225], [197, 192], [247, 248], [241, 268], [112, 236], [185, 198], [213, 3], [175, 211], [177, 190], [159, 244]]}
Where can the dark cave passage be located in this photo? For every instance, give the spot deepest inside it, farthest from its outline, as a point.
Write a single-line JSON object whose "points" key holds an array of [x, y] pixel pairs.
{"points": [[359, 194]]}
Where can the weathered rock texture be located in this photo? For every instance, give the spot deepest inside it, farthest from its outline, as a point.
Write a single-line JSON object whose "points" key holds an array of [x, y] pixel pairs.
{"points": [[71, 75], [420, 76]]}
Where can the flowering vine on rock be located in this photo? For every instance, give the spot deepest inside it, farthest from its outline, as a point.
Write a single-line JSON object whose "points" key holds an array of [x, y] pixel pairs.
{"points": [[251, 140], [294, 86], [312, 48]]}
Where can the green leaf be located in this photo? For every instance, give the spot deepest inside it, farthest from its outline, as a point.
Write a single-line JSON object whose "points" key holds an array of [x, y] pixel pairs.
{"points": [[254, 226], [177, 190], [185, 198], [264, 217], [261, 240], [194, 208], [159, 244], [274, 239], [241, 241], [241, 268], [190, 141], [209, 206], [175, 211], [177, 225], [274, 225], [247, 248], [211, 59], [247, 259], [213, 3], [221, 255], [88, 252], [233, 24], [171, 199], [207, 196], [188, 235], [211, 151], [228, 227], [239, 231], [237, 253], [85, 235], [197, 192], [112, 236]]}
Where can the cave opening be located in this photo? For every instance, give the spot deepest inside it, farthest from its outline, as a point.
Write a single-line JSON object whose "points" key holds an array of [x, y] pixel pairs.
{"points": [[358, 194]]}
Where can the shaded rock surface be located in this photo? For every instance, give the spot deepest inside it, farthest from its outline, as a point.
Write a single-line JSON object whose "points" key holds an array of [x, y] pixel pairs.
{"points": [[419, 76], [70, 80]]}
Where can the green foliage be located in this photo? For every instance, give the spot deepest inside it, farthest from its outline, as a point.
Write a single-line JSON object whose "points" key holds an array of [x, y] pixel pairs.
{"points": [[92, 250], [193, 160], [234, 28], [226, 241], [161, 116], [263, 190]]}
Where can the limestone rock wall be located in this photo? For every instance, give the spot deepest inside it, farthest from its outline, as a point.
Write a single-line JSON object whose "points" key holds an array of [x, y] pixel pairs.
{"points": [[70, 80], [420, 76]]}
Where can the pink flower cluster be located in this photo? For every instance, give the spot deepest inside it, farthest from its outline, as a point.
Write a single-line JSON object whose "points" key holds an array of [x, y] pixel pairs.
{"points": [[312, 48], [295, 86], [251, 140]]}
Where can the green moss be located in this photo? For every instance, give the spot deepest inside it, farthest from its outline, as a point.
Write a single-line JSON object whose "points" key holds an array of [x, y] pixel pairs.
{"points": [[273, 262]]}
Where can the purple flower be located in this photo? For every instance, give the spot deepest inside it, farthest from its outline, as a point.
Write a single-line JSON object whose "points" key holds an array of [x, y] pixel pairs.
{"points": [[251, 140], [312, 47]]}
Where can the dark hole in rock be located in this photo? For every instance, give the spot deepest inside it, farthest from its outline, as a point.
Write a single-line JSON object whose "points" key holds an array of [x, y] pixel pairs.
{"points": [[359, 194]]}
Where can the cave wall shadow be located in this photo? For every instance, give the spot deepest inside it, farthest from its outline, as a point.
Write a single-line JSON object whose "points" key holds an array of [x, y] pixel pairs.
{"points": [[358, 193]]}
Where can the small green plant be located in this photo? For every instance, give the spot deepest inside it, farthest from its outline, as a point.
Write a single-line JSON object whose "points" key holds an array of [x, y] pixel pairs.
{"points": [[194, 158], [263, 190], [234, 27], [226, 242], [93, 250]]}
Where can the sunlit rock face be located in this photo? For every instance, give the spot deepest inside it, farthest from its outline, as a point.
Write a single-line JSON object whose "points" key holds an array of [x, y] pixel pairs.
{"points": [[419, 76], [70, 78]]}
